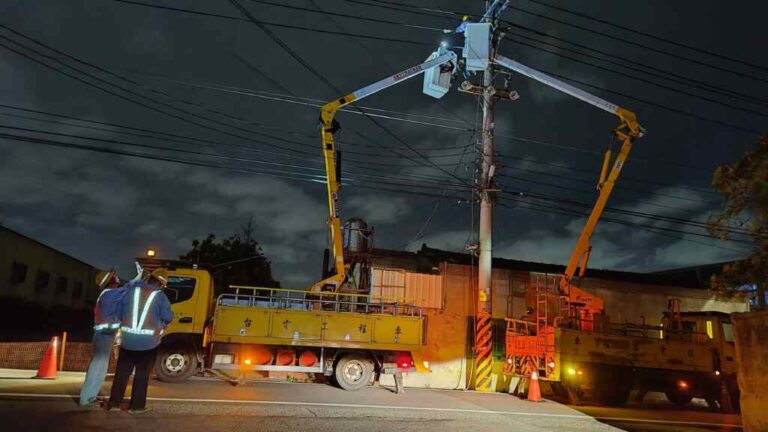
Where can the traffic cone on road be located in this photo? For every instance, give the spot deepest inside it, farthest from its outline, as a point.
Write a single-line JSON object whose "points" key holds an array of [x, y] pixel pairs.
{"points": [[47, 367], [534, 391], [725, 399]]}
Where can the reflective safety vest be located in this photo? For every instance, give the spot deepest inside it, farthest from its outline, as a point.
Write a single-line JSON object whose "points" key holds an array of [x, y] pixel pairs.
{"points": [[138, 315], [105, 312]]}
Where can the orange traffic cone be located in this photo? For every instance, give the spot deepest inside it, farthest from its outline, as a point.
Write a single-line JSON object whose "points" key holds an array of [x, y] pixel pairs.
{"points": [[534, 391], [725, 399], [47, 367]]}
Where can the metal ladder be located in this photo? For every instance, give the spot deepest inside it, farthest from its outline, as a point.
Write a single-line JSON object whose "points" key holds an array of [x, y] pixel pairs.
{"points": [[541, 303]]}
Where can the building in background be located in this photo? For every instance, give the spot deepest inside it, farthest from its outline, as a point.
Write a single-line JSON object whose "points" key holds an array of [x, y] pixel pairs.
{"points": [[42, 275], [444, 284]]}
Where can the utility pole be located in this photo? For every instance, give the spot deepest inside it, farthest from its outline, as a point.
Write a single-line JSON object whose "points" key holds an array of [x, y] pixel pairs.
{"points": [[483, 322]]}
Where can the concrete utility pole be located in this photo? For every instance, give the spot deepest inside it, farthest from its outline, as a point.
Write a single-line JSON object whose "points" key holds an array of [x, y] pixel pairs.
{"points": [[483, 323]]}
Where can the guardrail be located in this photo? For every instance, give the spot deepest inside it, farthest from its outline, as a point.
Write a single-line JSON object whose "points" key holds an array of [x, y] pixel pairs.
{"points": [[280, 298]]}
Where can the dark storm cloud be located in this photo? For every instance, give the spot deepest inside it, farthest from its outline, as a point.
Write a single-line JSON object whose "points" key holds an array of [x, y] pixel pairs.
{"points": [[106, 209]]}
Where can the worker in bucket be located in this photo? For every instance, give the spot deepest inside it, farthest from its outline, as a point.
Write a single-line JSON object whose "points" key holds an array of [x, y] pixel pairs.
{"points": [[145, 313], [105, 327]]}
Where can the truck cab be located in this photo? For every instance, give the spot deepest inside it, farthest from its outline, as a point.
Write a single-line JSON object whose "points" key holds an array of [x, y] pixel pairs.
{"points": [[190, 291]]}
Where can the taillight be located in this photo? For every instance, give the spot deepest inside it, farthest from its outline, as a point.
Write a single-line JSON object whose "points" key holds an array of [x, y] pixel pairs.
{"points": [[404, 360]]}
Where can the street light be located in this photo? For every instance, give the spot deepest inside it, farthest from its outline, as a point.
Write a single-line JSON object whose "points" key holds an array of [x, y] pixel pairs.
{"points": [[151, 253]]}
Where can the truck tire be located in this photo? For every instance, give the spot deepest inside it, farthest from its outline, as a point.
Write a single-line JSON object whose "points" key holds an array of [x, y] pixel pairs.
{"points": [[353, 371], [175, 363], [678, 398]]}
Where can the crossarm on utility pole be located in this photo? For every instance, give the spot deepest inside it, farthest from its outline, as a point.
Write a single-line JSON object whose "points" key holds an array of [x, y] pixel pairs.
{"points": [[626, 132], [333, 170]]}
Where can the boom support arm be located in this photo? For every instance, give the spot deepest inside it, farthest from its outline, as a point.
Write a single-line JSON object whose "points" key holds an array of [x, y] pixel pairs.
{"points": [[627, 131], [329, 128]]}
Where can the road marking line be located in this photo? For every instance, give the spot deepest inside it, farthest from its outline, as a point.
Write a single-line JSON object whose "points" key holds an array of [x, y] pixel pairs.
{"points": [[390, 407]]}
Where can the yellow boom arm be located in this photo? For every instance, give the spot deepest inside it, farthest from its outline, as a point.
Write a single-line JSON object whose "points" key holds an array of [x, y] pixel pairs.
{"points": [[627, 132], [333, 180]]}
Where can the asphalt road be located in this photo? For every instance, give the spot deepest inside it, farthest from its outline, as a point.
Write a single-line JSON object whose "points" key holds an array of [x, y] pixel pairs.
{"points": [[215, 405]]}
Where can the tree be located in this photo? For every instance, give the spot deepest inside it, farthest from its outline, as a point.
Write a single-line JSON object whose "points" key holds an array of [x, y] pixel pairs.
{"points": [[744, 185], [236, 260]]}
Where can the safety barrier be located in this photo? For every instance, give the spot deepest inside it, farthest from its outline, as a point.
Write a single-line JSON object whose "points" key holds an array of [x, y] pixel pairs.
{"points": [[27, 355]]}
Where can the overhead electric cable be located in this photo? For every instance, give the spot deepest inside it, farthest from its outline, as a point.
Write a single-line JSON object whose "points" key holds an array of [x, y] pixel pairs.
{"points": [[639, 45], [657, 105], [84, 147], [323, 79], [343, 15], [287, 26], [644, 228], [650, 35], [422, 11], [641, 79], [634, 66]]}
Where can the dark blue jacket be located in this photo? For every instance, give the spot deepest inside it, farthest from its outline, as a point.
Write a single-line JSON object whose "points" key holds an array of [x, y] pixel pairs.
{"points": [[105, 313], [145, 313]]}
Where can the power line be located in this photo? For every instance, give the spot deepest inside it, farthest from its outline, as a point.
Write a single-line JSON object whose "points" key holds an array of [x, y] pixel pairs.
{"points": [[686, 80], [650, 35], [644, 215], [376, 58], [343, 15], [639, 45], [134, 94], [418, 10], [657, 105], [145, 105], [67, 145], [305, 152], [188, 140], [593, 193], [561, 187], [303, 101], [641, 79], [261, 74], [323, 79], [385, 180], [595, 172], [277, 97], [570, 212], [678, 111], [262, 26], [287, 26], [633, 65], [637, 226]]}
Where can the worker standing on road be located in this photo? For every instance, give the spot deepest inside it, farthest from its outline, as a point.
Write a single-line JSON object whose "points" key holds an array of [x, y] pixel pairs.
{"points": [[145, 313], [105, 325]]}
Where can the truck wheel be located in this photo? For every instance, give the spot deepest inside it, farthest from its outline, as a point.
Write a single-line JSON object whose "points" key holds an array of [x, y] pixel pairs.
{"points": [[175, 363], [353, 371], [677, 398]]}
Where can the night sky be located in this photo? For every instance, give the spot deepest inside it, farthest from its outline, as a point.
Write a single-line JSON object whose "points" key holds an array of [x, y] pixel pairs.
{"points": [[106, 208]]}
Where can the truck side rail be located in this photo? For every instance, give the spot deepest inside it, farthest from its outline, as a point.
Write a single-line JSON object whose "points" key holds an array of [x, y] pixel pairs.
{"points": [[517, 327], [280, 298]]}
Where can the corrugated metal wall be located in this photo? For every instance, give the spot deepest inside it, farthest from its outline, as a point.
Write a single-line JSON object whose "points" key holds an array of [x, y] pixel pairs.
{"points": [[423, 290]]}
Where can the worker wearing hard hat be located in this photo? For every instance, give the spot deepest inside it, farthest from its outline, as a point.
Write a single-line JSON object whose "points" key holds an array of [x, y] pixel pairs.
{"points": [[145, 313], [105, 327], [461, 28]]}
